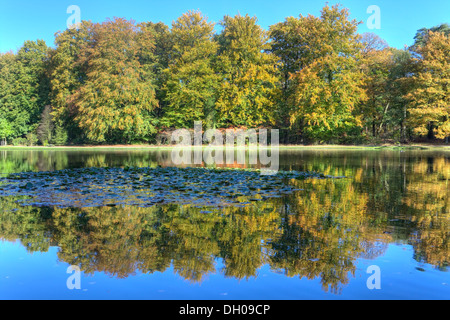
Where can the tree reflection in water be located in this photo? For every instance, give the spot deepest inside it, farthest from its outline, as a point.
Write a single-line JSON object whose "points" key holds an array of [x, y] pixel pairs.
{"points": [[316, 233]]}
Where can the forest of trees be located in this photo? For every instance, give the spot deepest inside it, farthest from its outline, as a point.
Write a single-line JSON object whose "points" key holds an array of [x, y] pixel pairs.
{"points": [[315, 78]]}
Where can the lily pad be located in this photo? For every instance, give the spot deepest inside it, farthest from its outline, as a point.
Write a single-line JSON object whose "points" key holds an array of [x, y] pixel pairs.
{"points": [[94, 187]]}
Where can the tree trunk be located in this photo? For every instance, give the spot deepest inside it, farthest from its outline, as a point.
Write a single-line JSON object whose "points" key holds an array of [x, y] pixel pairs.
{"points": [[430, 131], [403, 126], [383, 117]]}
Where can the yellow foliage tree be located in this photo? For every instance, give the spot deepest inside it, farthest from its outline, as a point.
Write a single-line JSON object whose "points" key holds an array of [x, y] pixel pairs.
{"points": [[430, 98]]}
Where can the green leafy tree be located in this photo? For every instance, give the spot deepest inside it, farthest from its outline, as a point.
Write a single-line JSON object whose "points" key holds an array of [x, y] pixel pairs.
{"points": [[46, 126], [24, 86], [159, 62], [5, 130], [191, 79], [33, 58], [32, 139], [60, 136]]}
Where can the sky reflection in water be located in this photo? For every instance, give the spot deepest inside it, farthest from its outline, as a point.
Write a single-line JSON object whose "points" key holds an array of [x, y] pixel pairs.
{"points": [[391, 210]]}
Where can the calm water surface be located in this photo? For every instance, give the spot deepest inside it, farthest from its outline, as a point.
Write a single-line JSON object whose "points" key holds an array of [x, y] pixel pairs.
{"points": [[391, 211]]}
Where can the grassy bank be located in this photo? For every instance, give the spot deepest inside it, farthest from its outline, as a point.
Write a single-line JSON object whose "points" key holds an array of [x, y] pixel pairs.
{"points": [[417, 147]]}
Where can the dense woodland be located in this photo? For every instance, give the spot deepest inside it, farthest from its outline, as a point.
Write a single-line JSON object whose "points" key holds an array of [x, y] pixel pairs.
{"points": [[315, 78]]}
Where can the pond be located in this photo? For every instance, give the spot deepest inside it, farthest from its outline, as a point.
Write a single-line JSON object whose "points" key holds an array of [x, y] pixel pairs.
{"points": [[124, 224]]}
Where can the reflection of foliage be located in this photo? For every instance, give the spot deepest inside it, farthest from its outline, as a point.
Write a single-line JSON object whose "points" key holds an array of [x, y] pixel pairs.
{"points": [[29, 160], [30, 225], [319, 232], [240, 238], [10, 165], [188, 237], [104, 239], [325, 232], [48, 160], [428, 195]]}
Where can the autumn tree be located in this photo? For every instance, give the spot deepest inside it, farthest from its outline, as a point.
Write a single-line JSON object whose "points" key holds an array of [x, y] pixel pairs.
{"points": [[387, 79], [386, 82], [328, 85], [421, 37], [116, 100], [288, 43], [328, 93], [374, 109], [399, 84], [191, 79], [313, 77], [160, 61], [67, 74], [430, 98], [377, 60], [371, 43], [249, 82]]}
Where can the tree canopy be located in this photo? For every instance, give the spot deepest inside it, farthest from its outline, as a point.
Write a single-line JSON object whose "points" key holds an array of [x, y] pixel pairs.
{"points": [[430, 97], [314, 77]]}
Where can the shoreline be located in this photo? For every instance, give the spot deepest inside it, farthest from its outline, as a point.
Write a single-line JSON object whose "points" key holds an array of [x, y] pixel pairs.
{"points": [[418, 146]]}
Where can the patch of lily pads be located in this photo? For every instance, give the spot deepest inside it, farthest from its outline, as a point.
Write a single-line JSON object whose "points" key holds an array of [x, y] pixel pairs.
{"points": [[95, 187]]}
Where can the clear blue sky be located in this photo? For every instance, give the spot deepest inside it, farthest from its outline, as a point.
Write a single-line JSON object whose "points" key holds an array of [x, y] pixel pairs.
{"points": [[22, 20]]}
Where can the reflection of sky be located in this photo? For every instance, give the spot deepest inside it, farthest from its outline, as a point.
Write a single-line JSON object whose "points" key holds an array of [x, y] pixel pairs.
{"points": [[42, 276]]}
